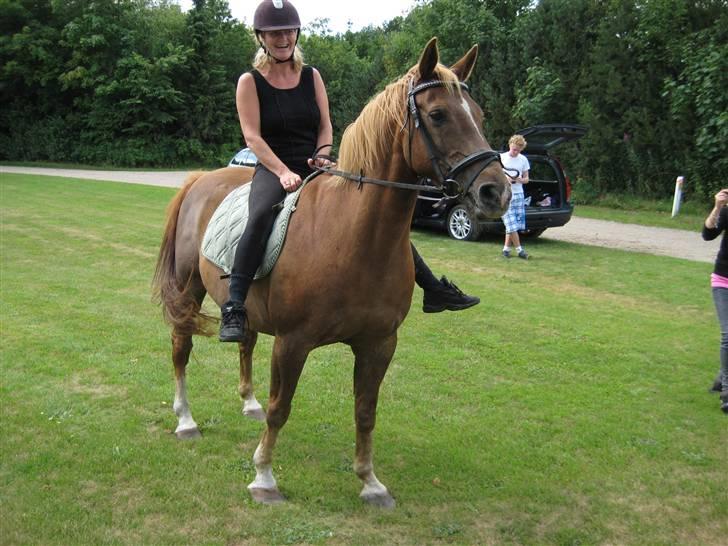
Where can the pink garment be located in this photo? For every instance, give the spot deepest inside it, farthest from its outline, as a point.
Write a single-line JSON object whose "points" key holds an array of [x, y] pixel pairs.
{"points": [[718, 281]]}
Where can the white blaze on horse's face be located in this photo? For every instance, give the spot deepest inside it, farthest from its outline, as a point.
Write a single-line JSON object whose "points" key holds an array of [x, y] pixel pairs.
{"points": [[469, 113]]}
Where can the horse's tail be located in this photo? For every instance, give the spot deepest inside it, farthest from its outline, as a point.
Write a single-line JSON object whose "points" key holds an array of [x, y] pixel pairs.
{"points": [[180, 308]]}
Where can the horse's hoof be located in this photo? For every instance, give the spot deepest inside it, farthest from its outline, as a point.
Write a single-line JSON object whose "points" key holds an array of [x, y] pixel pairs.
{"points": [[188, 434], [256, 414], [266, 496], [380, 500]]}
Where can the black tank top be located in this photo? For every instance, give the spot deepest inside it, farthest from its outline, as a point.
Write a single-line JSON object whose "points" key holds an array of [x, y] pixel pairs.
{"points": [[289, 120]]}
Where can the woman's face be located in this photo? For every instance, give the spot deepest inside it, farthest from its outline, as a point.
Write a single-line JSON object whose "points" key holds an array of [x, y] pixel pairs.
{"points": [[279, 43]]}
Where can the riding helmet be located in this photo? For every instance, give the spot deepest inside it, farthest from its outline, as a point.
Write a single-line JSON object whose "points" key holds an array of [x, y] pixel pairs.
{"points": [[275, 15]]}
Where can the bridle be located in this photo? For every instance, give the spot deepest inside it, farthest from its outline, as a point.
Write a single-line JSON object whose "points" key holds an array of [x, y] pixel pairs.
{"points": [[450, 187], [447, 182]]}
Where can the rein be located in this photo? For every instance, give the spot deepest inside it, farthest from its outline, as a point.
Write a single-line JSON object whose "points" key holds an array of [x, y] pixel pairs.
{"points": [[361, 179], [450, 187]]}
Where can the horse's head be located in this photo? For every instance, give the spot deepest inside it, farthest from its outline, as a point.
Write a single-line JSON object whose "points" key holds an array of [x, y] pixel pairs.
{"points": [[445, 137]]}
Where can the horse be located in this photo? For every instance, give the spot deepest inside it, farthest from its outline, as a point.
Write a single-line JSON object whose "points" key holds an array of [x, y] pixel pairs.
{"points": [[345, 273]]}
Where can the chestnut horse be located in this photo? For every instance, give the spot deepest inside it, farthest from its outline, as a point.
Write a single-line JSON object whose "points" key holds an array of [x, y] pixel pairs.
{"points": [[346, 272]]}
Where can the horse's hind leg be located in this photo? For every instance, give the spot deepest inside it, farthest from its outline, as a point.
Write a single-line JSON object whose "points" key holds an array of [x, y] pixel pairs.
{"points": [[286, 366], [371, 363], [181, 348], [186, 426], [251, 407]]}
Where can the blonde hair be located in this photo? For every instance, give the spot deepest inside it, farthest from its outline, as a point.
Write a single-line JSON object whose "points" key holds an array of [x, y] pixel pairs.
{"points": [[365, 141], [262, 60], [517, 140]]}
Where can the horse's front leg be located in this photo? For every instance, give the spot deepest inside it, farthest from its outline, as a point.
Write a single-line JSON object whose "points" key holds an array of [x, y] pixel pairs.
{"points": [[251, 406], [286, 366], [186, 426], [371, 363]]}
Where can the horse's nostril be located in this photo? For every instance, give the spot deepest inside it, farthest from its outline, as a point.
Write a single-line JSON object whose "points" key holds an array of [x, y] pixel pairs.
{"points": [[488, 193]]}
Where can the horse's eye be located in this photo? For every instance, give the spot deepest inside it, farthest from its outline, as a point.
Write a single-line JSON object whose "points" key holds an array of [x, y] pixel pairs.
{"points": [[437, 116]]}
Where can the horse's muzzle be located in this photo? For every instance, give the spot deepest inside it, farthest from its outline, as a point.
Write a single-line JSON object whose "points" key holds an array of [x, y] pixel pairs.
{"points": [[493, 199]]}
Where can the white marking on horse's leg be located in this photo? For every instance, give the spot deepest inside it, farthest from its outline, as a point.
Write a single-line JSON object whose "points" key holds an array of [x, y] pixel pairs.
{"points": [[182, 408], [374, 492], [372, 486], [263, 463], [252, 408]]}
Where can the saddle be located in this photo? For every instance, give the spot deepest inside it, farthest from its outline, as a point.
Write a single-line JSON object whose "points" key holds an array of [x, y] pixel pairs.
{"points": [[228, 223]]}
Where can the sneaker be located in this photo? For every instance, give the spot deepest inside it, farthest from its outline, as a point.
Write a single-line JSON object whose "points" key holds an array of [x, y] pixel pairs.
{"points": [[523, 254], [232, 327], [506, 253], [724, 401], [447, 296]]}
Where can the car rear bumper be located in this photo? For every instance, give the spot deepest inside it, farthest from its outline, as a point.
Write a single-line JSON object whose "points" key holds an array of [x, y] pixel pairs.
{"points": [[536, 218]]}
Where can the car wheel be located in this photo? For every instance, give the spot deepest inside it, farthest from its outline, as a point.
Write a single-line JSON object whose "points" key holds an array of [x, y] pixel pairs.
{"points": [[534, 233], [461, 225]]}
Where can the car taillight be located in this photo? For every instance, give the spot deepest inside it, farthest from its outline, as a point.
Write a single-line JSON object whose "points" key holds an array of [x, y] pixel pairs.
{"points": [[568, 187], [566, 179]]}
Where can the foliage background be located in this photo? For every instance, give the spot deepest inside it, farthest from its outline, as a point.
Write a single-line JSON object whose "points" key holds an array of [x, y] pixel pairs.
{"points": [[139, 83]]}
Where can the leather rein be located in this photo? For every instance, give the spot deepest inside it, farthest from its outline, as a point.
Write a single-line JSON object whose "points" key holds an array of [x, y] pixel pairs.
{"points": [[448, 185]]}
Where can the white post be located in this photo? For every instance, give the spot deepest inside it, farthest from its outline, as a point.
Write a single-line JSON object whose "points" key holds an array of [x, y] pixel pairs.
{"points": [[678, 195]]}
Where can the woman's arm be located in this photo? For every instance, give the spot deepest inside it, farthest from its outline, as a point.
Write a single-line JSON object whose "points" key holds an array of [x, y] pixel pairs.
{"points": [[246, 101], [721, 198], [711, 227]]}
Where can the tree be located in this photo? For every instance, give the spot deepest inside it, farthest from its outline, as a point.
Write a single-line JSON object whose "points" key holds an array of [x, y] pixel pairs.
{"points": [[699, 104]]}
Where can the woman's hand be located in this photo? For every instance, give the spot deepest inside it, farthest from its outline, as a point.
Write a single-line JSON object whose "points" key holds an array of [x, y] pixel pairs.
{"points": [[290, 181], [721, 198], [321, 162]]}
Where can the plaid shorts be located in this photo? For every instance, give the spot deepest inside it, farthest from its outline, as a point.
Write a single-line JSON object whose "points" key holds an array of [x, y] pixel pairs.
{"points": [[515, 218]]}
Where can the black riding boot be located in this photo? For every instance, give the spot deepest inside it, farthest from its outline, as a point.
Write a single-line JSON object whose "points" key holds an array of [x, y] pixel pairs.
{"points": [[439, 295], [234, 316]]}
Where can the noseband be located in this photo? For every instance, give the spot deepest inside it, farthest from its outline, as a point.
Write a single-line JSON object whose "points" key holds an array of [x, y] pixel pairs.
{"points": [[447, 182]]}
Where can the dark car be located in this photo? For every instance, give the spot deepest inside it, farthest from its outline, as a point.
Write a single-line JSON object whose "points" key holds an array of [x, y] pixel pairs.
{"points": [[547, 195]]}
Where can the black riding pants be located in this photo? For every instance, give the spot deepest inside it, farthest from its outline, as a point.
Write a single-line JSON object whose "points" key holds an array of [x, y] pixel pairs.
{"points": [[266, 193], [423, 275]]}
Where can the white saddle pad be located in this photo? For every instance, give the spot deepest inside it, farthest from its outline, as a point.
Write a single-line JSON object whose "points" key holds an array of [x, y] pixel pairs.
{"points": [[228, 223]]}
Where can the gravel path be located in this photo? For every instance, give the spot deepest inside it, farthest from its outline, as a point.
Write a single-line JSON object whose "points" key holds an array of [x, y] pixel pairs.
{"points": [[652, 240]]}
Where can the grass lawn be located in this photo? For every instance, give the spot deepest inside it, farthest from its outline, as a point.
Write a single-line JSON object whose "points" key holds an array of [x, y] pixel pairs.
{"points": [[569, 408]]}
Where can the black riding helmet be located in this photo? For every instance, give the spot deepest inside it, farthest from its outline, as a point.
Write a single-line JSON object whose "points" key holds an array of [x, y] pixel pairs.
{"points": [[276, 15]]}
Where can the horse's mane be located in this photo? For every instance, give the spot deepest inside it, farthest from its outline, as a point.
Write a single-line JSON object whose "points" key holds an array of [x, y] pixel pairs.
{"points": [[369, 137]]}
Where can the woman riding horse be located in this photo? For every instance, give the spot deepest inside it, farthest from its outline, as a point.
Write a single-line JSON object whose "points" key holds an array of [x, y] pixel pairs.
{"points": [[284, 115], [346, 272]]}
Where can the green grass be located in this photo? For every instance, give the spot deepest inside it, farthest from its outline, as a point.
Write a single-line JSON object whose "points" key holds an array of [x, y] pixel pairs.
{"points": [[570, 407]]}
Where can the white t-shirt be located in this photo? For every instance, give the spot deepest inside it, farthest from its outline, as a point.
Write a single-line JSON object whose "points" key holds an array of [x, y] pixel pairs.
{"points": [[520, 163]]}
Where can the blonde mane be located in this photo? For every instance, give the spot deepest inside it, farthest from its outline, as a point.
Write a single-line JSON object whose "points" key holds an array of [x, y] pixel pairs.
{"points": [[369, 137]]}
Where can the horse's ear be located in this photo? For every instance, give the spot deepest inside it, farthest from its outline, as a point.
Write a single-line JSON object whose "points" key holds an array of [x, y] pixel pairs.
{"points": [[428, 60], [464, 67]]}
